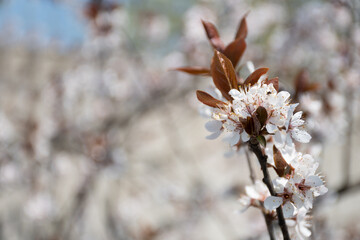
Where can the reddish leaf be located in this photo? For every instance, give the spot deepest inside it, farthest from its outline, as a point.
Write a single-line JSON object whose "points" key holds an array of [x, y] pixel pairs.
{"points": [[302, 83], [274, 81], [242, 29], [255, 76], [312, 87], [262, 115], [235, 50], [223, 74], [282, 168], [194, 70], [209, 100], [213, 36], [248, 125], [251, 125], [331, 84], [256, 124]]}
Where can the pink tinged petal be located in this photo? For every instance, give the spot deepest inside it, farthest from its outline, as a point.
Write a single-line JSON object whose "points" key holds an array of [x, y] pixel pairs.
{"points": [[313, 181], [288, 210], [213, 135], [244, 136], [272, 202], [213, 126], [271, 128], [300, 135]]}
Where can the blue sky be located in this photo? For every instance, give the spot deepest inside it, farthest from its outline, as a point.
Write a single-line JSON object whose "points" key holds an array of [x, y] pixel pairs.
{"points": [[49, 19]]}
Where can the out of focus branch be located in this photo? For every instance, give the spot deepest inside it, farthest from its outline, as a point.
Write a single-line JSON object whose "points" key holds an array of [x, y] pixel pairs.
{"points": [[348, 188]]}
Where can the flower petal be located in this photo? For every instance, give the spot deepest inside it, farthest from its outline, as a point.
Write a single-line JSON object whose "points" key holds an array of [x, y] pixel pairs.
{"points": [[320, 190], [244, 136], [288, 210], [283, 96], [298, 200], [213, 126], [296, 120], [313, 181], [300, 135], [213, 135], [272, 202], [234, 139], [271, 128], [251, 192]]}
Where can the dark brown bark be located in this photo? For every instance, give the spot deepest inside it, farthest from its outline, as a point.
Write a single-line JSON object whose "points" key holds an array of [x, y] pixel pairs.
{"points": [[262, 158], [268, 218]]}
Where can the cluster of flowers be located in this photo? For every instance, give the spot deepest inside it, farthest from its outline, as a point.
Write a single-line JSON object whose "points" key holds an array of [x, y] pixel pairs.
{"points": [[254, 109]]}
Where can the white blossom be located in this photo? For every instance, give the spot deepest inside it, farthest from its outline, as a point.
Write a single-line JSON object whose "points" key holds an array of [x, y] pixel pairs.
{"points": [[257, 191]]}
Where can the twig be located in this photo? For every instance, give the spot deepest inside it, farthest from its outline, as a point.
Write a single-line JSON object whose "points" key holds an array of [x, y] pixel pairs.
{"points": [[255, 147]]}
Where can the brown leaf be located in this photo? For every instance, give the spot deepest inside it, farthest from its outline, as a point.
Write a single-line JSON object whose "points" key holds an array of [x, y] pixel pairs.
{"points": [[301, 80], [281, 166], [194, 70], [248, 125], [274, 81], [235, 50], [223, 74], [256, 124], [312, 87], [302, 83], [255, 76], [209, 100], [262, 115], [251, 125], [213, 36], [242, 29]]}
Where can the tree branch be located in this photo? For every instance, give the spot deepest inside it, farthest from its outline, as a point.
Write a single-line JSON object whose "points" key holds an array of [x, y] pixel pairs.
{"points": [[268, 218], [255, 147]]}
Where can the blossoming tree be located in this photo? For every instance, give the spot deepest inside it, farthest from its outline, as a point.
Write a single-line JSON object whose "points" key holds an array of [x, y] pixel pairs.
{"points": [[251, 111]]}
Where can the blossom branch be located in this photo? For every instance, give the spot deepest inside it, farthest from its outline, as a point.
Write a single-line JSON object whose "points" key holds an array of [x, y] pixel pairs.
{"points": [[268, 218], [255, 147]]}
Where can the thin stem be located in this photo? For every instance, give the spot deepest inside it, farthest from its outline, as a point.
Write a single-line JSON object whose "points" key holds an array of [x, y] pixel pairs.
{"points": [[268, 218], [255, 147]]}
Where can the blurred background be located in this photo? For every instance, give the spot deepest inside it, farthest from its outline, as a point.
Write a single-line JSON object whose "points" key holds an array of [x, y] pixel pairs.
{"points": [[100, 140]]}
